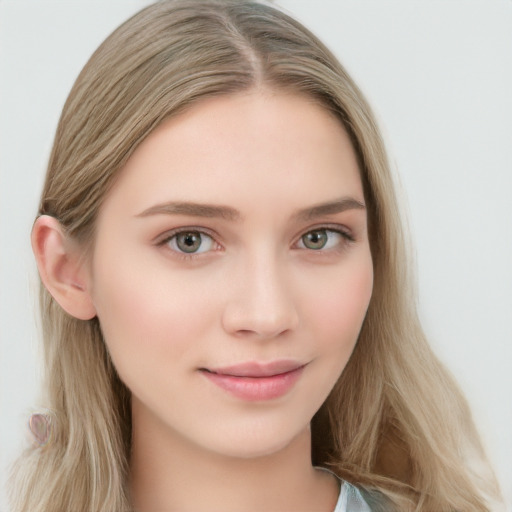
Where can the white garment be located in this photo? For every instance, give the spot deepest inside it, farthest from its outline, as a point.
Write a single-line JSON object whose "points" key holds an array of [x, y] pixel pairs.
{"points": [[350, 499]]}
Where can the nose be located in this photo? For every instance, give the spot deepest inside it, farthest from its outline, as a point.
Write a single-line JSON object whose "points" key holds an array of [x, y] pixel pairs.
{"points": [[261, 304]]}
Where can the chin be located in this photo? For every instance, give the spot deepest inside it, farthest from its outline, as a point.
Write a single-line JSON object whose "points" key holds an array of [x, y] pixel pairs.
{"points": [[259, 443]]}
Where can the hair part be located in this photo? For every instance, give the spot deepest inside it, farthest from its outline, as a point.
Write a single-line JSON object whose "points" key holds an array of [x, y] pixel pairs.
{"points": [[395, 423]]}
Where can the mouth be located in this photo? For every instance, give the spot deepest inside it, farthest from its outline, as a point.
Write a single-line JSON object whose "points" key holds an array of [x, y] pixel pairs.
{"points": [[257, 370], [254, 381]]}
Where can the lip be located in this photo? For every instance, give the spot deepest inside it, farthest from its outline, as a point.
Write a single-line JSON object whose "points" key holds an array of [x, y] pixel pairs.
{"points": [[255, 381]]}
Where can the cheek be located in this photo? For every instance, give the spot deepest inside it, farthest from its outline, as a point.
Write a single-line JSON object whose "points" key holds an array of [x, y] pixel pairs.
{"points": [[333, 317], [146, 314], [339, 310]]}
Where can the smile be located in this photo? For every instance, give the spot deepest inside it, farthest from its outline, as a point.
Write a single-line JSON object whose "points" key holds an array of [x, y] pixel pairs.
{"points": [[256, 382]]}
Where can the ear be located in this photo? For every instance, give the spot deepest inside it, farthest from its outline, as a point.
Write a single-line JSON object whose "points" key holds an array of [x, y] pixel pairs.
{"points": [[62, 270]]}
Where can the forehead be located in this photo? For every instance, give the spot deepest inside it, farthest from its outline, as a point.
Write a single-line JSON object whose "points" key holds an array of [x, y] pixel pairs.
{"points": [[242, 149]]}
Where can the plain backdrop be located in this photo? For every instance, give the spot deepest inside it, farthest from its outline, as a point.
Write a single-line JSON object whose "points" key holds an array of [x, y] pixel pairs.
{"points": [[439, 75]]}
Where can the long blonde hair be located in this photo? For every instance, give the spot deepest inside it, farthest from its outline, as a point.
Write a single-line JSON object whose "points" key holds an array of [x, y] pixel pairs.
{"points": [[395, 424]]}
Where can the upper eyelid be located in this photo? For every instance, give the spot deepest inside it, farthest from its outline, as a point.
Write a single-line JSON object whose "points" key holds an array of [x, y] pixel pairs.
{"points": [[167, 235], [339, 228], [162, 243]]}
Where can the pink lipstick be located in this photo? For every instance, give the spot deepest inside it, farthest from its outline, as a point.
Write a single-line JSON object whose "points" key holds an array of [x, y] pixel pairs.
{"points": [[255, 381]]}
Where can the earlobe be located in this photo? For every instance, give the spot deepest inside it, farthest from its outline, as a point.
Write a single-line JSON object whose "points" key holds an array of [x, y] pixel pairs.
{"points": [[62, 270]]}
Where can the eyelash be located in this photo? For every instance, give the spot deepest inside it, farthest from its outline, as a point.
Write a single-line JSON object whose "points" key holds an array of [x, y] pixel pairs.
{"points": [[347, 237], [183, 255]]}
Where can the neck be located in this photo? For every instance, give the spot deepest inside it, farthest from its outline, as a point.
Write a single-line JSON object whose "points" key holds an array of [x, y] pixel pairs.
{"points": [[169, 473]]}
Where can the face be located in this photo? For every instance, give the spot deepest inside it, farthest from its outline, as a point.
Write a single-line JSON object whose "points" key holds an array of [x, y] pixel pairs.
{"points": [[232, 272]]}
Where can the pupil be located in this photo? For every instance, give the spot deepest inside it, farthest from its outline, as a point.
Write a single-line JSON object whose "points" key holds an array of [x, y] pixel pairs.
{"points": [[189, 242], [315, 239]]}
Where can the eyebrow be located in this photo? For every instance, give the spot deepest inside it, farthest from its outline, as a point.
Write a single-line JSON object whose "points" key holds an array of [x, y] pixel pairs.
{"points": [[231, 214], [330, 208], [193, 210]]}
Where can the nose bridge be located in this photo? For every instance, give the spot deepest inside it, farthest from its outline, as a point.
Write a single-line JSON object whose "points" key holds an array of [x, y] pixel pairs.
{"points": [[262, 302]]}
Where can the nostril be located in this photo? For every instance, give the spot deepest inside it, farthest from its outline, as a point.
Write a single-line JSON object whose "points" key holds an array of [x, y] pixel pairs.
{"points": [[261, 333], [245, 332]]}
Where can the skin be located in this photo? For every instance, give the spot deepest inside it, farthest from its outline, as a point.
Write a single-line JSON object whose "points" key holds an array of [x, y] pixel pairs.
{"points": [[254, 292]]}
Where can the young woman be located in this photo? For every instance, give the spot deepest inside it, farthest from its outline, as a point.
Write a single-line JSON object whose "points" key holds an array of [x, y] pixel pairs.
{"points": [[226, 304]]}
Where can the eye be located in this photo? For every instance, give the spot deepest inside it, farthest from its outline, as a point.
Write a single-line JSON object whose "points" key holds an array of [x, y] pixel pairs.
{"points": [[322, 239], [190, 242]]}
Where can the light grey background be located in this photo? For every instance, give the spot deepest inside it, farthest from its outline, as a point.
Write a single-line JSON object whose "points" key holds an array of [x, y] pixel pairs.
{"points": [[439, 74]]}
